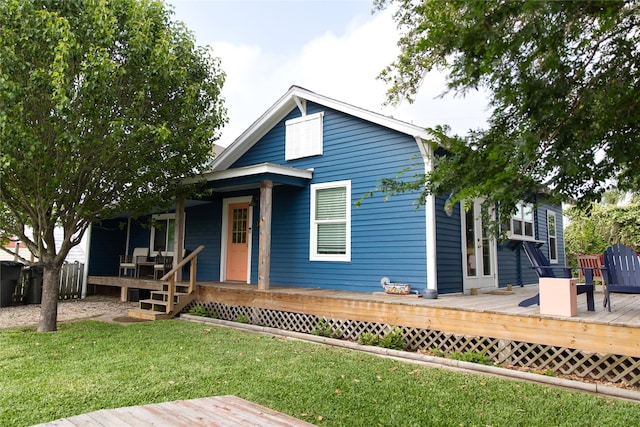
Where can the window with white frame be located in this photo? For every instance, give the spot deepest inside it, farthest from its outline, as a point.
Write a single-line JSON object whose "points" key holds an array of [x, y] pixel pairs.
{"points": [[553, 237], [162, 234], [303, 136], [522, 222], [330, 233]]}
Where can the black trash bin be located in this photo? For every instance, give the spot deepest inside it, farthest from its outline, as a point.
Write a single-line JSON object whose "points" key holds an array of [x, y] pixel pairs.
{"points": [[9, 276], [34, 293]]}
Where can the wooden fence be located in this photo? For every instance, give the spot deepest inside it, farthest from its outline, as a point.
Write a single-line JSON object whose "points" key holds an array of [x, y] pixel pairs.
{"points": [[71, 277], [28, 288]]}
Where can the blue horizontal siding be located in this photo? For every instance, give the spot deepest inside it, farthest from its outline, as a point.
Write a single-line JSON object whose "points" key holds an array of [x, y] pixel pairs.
{"points": [[203, 227], [108, 242], [387, 238], [513, 265], [448, 248]]}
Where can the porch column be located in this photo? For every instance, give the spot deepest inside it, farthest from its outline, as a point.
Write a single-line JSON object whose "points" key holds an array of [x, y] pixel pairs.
{"points": [[178, 235], [264, 257]]}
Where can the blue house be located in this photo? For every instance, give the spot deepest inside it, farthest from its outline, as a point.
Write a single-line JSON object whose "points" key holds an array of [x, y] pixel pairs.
{"points": [[282, 212]]}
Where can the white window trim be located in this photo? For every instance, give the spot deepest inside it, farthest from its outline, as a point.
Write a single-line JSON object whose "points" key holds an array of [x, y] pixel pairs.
{"points": [[296, 149], [313, 255], [523, 237], [160, 217], [555, 236]]}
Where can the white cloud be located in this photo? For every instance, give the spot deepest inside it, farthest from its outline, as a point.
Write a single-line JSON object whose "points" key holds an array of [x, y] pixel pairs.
{"points": [[343, 67]]}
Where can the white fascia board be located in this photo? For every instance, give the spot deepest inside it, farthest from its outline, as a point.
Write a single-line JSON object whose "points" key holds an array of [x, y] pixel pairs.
{"points": [[386, 121], [263, 168], [292, 99], [254, 132]]}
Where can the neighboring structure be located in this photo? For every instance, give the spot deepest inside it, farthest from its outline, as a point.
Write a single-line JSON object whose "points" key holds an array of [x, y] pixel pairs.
{"points": [[76, 254], [15, 247], [282, 212]]}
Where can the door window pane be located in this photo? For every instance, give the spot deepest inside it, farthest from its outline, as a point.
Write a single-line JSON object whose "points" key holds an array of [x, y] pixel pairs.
{"points": [[160, 238], [470, 234], [239, 224]]}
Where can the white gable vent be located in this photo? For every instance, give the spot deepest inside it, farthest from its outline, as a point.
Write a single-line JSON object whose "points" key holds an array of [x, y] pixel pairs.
{"points": [[303, 136]]}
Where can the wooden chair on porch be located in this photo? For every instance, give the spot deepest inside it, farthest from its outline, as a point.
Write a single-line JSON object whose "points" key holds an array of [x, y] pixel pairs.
{"points": [[130, 262], [621, 272], [163, 264], [541, 265], [593, 262]]}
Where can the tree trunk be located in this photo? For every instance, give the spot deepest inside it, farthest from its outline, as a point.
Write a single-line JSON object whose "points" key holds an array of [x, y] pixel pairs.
{"points": [[49, 307]]}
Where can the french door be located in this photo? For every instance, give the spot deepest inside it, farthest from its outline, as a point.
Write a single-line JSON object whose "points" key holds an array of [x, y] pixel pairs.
{"points": [[479, 263]]}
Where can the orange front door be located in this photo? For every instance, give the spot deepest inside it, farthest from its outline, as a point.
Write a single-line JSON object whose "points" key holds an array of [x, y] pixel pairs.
{"points": [[237, 241]]}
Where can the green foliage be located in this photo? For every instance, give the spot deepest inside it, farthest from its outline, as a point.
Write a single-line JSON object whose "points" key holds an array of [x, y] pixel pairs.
{"points": [[471, 356], [562, 82], [200, 310], [593, 228], [393, 340], [104, 107], [323, 329], [242, 318], [437, 352], [88, 366], [367, 338]]}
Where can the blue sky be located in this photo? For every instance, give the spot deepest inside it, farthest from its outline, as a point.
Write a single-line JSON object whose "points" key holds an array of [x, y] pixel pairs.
{"points": [[334, 48]]}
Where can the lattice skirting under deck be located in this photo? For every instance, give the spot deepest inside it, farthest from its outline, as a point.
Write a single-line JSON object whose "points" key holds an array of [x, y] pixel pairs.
{"points": [[595, 366]]}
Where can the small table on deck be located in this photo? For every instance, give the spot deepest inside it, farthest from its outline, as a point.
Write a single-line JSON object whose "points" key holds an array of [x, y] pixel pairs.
{"points": [[145, 265]]}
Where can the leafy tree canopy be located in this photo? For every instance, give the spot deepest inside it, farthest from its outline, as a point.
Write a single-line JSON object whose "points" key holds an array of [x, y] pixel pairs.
{"points": [[595, 227], [104, 107], [564, 85]]}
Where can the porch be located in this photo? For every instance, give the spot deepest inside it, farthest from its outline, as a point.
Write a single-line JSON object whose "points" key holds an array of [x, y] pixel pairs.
{"points": [[493, 314], [489, 313]]}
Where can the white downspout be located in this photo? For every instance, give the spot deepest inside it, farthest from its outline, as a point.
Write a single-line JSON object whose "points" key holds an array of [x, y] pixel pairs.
{"points": [[85, 273], [430, 218]]}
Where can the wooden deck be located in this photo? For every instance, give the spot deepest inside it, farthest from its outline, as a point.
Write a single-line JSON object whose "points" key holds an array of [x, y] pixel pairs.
{"points": [[124, 283], [208, 411], [490, 314], [494, 314]]}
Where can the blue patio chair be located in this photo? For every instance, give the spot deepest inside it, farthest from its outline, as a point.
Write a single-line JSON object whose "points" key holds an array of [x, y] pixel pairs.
{"points": [[621, 272], [544, 269]]}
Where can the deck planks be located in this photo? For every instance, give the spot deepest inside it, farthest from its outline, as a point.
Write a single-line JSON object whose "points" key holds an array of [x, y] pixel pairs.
{"points": [[489, 315], [217, 411]]}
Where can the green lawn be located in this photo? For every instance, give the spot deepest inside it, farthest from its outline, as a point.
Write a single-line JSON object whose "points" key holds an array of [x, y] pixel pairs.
{"points": [[87, 366]]}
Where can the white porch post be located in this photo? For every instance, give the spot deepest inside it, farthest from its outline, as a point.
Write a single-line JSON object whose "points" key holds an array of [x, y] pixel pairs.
{"points": [[430, 218], [178, 235], [264, 257], [87, 250]]}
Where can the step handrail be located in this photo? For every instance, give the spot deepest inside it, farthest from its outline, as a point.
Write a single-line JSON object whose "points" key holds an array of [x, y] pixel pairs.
{"points": [[171, 275]]}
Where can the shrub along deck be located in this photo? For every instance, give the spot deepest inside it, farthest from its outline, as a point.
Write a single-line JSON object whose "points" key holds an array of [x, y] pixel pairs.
{"points": [[597, 345]]}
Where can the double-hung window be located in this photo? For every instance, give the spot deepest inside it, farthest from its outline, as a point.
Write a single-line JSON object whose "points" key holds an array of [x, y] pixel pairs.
{"points": [[553, 237], [522, 222], [162, 234], [330, 221]]}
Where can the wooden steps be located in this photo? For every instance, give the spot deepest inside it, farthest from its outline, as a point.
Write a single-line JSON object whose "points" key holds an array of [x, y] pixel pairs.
{"points": [[155, 307]]}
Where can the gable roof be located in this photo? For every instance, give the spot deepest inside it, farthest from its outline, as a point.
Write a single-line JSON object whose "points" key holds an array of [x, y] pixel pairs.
{"points": [[297, 97]]}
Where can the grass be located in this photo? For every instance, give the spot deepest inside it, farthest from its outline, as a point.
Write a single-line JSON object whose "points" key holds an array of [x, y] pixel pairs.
{"points": [[87, 366]]}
